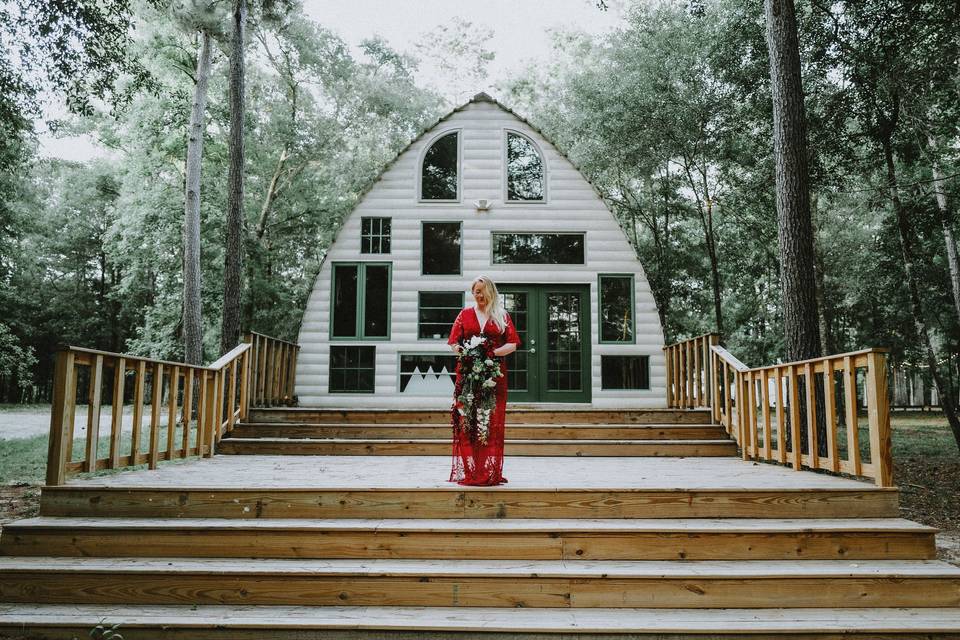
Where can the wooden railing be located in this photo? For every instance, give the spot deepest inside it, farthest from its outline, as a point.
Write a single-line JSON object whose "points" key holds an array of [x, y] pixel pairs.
{"points": [[273, 370], [779, 412], [200, 403]]}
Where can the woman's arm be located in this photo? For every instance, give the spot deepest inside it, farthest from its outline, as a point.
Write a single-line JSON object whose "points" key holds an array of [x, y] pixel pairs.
{"points": [[505, 350]]}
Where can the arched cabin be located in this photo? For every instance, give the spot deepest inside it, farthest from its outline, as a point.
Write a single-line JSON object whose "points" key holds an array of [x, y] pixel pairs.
{"points": [[480, 192]]}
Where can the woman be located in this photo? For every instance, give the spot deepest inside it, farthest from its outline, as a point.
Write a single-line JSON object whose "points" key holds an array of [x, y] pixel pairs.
{"points": [[478, 451]]}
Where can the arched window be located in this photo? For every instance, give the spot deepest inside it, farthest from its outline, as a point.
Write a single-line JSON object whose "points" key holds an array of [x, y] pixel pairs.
{"points": [[524, 169], [438, 176]]}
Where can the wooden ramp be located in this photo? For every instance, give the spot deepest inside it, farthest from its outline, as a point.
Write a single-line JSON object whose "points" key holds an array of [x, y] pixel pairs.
{"points": [[598, 538]]}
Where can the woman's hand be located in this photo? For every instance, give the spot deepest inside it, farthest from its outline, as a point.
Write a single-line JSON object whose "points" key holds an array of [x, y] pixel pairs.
{"points": [[457, 349]]}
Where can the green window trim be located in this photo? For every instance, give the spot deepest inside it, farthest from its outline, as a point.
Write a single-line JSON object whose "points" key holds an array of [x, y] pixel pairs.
{"points": [[633, 308], [359, 351], [459, 272], [360, 300]]}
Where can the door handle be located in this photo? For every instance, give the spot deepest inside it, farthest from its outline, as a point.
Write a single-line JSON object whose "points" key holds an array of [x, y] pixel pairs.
{"points": [[532, 351]]}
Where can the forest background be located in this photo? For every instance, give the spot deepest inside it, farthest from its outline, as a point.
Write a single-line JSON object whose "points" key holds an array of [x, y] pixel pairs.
{"points": [[669, 115]]}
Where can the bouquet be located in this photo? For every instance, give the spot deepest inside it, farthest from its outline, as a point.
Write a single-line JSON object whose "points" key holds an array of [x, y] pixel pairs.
{"points": [[475, 397]]}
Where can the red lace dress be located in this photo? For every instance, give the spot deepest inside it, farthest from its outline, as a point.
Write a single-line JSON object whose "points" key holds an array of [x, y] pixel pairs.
{"points": [[476, 463]]}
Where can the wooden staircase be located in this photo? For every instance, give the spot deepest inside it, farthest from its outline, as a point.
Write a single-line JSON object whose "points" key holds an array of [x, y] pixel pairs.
{"points": [[339, 524]]}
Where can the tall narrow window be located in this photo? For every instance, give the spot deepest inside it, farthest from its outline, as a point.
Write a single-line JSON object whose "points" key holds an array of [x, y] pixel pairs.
{"points": [[616, 308], [524, 169], [361, 301], [375, 235], [440, 248], [352, 369], [438, 178]]}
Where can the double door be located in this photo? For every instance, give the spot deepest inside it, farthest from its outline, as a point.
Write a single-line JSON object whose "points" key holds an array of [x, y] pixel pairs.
{"points": [[553, 362]]}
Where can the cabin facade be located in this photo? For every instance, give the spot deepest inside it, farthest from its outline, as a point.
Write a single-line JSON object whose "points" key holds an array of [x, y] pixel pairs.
{"points": [[481, 192]]}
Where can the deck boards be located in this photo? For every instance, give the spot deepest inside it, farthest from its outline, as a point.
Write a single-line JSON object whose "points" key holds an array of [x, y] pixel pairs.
{"points": [[488, 620], [430, 472]]}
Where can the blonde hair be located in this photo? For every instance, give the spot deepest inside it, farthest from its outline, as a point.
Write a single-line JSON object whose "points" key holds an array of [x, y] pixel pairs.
{"points": [[494, 307]]}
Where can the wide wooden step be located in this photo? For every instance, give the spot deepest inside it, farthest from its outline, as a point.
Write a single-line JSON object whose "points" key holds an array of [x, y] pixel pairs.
{"points": [[481, 583], [245, 622], [464, 502], [441, 446], [566, 539], [516, 431], [514, 415]]}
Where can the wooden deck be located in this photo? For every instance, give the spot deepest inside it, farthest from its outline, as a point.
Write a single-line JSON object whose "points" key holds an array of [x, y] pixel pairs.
{"points": [[262, 544]]}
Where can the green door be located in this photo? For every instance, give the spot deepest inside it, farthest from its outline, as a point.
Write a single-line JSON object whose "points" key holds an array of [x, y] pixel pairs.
{"points": [[553, 363]]}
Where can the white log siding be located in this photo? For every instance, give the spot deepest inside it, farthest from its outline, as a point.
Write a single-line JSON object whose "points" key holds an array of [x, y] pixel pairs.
{"points": [[571, 205]]}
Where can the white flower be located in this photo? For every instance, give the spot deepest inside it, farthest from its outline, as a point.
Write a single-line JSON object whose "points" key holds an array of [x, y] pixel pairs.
{"points": [[488, 362], [490, 382], [474, 342]]}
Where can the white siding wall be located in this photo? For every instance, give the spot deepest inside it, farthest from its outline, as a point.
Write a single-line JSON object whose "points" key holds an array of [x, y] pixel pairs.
{"points": [[572, 205]]}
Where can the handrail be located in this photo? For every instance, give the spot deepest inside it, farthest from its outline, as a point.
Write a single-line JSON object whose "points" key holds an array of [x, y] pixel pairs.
{"points": [[781, 412], [203, 403]]}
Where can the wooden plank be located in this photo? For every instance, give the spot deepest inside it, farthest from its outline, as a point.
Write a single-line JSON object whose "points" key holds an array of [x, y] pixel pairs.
{"points": [[697, 382], [853, 420], [384, 447], [217, 622], [245, 384], [751, 398], [173, 390], [498, 503], [232, 395], [812, 440], [203, 413], [187, 415], [767, 429], [72, 421], [93, 414], [830, 413], [386, 539], [797, 452], [781, 419], [139, 389], [495, 584], [61, 414], [878, 412], [292, 387], [728, 399], [116, 411], [156, 397]]}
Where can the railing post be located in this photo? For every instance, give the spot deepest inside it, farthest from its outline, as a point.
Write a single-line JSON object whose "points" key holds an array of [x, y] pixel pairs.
{"points": [[93, 415], [62, 411], [714, 383], [878, 412], [245, 379], [116, 410]]}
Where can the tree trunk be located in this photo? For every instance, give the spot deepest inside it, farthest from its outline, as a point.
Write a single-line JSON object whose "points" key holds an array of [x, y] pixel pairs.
{"points": [[233, 258], [825, 317], [906, 234], [192, 317], [947, 225], [794, 228]]}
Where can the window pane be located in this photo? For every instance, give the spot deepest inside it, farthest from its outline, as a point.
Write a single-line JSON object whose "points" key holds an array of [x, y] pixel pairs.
{"points": [[439, 179], [616, 312], [438, 310], [427, 374], [538, 248], [345, 301], [376, 302], [352, 369], [524, 169], [440, 248], [625, 372]]}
